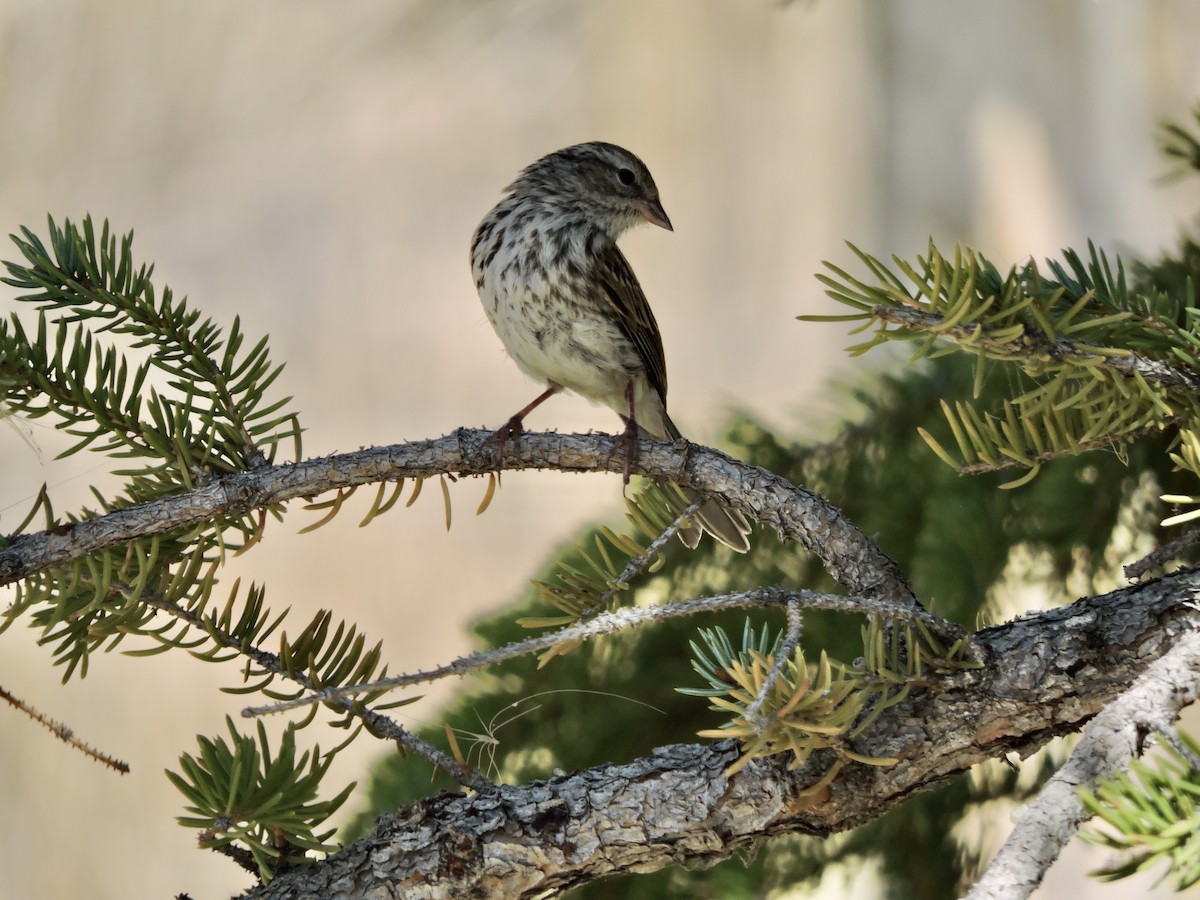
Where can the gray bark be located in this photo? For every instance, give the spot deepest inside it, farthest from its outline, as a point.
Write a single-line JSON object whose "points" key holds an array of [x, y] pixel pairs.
{"points": [[1045, 675]]}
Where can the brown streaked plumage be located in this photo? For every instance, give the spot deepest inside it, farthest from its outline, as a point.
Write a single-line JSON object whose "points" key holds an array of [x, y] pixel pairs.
{"points": [[566, 304]]}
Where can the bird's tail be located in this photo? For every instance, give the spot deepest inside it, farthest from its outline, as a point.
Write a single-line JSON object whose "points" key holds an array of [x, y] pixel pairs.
{"points": [[726, 525]]}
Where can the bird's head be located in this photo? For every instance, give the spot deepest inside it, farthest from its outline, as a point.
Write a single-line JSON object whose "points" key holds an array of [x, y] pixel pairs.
{"points": [[607, 183]]}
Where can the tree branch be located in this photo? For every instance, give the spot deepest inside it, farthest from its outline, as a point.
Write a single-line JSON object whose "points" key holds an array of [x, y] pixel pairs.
{"points": [[1110, 741], [1046, 675], [1162, 554], [849, 555]]}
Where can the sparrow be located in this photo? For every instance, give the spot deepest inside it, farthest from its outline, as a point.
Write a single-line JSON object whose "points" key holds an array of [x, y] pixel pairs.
{"points": [[567, 307]]}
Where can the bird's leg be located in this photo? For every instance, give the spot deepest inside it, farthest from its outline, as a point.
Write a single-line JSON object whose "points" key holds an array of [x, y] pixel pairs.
{"points": [[629, 437], [514, 426]]}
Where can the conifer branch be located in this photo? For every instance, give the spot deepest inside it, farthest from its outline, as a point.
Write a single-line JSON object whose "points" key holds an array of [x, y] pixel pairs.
{"points": [[850, 556], [378, 723], [783, 655], [1100, 362], [1035, 345]]}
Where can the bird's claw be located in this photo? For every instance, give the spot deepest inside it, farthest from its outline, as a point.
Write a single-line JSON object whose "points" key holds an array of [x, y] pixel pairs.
{"points": [[510, 430], [627, 442]]}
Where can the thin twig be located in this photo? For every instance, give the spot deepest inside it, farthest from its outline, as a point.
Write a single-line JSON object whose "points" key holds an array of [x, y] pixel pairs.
{"points": [[376, 722], [787, 647], [1161, 555], [1079, 447], [1167, 733], [638, 564], [622, 620], [65, 733]]}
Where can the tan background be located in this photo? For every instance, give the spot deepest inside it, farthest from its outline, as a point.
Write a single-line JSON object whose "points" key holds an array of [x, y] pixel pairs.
{"points": [[317, 169]]}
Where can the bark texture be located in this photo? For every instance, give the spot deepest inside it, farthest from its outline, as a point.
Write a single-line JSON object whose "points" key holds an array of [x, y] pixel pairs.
{"points": [[1045, 675], [766, 498]]}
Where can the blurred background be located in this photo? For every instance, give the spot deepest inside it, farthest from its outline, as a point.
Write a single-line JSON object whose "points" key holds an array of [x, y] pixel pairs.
{"points": [[317, 169]]}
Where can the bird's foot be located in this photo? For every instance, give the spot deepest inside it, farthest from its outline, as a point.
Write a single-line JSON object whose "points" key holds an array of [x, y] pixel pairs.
{"points": [[627, 443], [509, 431]]}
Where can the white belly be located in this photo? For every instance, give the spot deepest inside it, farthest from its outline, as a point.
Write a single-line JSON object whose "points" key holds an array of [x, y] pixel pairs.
{"points": [[579, 352]]}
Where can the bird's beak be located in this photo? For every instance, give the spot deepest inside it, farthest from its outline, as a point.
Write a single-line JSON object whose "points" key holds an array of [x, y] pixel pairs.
{"points": [[654, 213]]}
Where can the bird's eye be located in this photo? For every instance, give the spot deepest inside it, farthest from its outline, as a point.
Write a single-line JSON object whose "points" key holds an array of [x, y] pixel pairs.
{"points": [[626, 176]]}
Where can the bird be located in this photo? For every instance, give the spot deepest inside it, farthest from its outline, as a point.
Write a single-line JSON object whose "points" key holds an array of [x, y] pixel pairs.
{"points": [[568, 308]]}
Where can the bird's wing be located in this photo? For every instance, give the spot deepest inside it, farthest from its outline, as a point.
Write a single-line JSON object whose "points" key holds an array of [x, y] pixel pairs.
{"points": [[632, 314]]}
